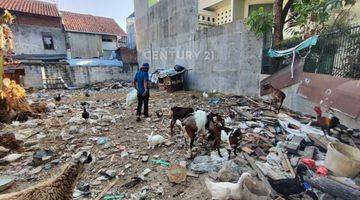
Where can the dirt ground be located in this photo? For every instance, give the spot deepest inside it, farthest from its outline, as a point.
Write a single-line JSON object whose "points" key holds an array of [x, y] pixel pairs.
{"points": [[125, 132], [119, 143]]}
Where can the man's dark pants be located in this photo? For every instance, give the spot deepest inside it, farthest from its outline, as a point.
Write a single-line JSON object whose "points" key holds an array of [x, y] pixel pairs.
{"points": [[143, 100]]}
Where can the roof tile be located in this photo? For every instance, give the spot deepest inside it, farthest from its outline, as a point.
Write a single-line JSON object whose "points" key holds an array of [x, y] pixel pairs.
{"points": [[30, 6], [91, 24]]}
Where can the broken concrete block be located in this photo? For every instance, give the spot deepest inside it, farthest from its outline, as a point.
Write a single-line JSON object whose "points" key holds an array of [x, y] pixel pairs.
{"points": [[308, 152], [295, 144], [229, 172]]}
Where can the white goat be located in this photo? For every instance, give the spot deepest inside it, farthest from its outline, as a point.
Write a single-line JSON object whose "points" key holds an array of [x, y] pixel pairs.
{"points": [[155, 140], [227, 190]]}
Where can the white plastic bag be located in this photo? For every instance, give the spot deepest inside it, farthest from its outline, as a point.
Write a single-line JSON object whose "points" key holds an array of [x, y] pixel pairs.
{"points": [[131, 98]]}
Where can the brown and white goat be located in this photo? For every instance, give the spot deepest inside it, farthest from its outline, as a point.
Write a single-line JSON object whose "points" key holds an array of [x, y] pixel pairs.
{"points": [[277, 96], [222, 134], [59, 188], [196, 124], [178, 113]]}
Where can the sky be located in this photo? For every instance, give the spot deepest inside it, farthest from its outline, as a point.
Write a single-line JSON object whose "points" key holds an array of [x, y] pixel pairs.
{"points": [[116, 9]]}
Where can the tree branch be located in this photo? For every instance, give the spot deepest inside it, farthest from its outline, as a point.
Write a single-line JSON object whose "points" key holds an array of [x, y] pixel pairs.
{"points": [[286, 9]]}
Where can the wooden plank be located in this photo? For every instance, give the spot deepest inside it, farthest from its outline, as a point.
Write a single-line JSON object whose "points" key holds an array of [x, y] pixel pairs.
{"points": [[332, 187], [105, 190]]}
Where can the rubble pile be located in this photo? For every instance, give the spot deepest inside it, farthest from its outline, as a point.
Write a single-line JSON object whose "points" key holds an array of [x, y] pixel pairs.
{"points": [[281, 152]]}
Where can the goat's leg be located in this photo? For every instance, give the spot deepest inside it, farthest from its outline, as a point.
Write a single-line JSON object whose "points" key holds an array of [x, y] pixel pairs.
{"points": [[229, 152], [281, 103], [217, 145], [191, 145], [235, 151], [172, 124]]}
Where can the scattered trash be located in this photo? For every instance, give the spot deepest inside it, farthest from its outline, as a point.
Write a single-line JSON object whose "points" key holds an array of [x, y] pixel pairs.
{"points": [[161, 162], [114, 197], [131, 98], [214, 100], [177, 174], [132, 183], [5, 183]]}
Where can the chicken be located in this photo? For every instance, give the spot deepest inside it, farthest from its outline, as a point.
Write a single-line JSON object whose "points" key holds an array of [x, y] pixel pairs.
{"points": [[87, 94], [325, 123], [57, 98], [85, 114], [227, 190], [291, 186]]}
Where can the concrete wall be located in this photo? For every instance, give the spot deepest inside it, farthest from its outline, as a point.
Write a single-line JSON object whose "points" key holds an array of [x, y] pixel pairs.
{"points": [[75, 76], [226, 58], [85, 45], [130, 29], [28, 39]]}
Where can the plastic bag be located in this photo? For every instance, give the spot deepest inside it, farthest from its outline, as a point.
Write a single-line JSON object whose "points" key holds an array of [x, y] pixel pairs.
{"points": [[131, 98]]}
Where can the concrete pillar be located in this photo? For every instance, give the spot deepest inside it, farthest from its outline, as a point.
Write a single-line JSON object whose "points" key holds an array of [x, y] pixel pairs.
{"points": [[238, 9]]}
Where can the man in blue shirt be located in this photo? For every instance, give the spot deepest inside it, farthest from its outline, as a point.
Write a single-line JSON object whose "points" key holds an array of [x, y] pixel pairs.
{"points": [[141, 85]]}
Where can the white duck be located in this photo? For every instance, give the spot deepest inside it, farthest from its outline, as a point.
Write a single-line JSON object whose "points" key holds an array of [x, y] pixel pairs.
{"points": [[227, 190]]}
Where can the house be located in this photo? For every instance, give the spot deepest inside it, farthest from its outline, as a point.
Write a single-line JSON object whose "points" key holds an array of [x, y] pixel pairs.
{"points": [[89, 36], [130, 29], [39, 40], [46, 42], [37, 29]]}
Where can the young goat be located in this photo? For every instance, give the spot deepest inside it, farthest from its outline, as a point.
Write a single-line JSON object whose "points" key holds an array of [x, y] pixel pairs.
{"points": [[59, 188], [277, 96], [178, 113], [222, 134], [197, 123]]}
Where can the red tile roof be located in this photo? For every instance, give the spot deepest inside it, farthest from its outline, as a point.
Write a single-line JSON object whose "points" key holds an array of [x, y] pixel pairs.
{"points": [[91, 24], [30, 6]]}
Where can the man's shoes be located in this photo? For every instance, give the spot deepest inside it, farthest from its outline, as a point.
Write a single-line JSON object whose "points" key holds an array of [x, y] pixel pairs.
{"points": [[147, 116], [138, 119]]}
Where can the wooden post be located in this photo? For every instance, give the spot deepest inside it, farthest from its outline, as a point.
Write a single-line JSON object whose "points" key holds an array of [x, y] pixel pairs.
{"points": [[1, 69]]}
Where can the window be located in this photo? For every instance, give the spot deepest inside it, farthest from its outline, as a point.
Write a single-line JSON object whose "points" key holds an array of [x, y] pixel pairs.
{"points": [[107, 40], [208, 19], [48, 41], [267, 7]]}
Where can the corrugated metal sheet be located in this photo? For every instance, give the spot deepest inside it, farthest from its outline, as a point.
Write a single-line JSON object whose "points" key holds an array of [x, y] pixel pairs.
{"points": [[282, 78], [335, 92]]}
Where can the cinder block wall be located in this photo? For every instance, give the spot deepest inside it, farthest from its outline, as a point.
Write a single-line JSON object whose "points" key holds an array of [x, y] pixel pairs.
{"points": [[226, 58]]}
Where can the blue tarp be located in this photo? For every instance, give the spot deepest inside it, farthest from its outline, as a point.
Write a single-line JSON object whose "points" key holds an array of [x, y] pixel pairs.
{"points": [[303, 45], [95, 62]]}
